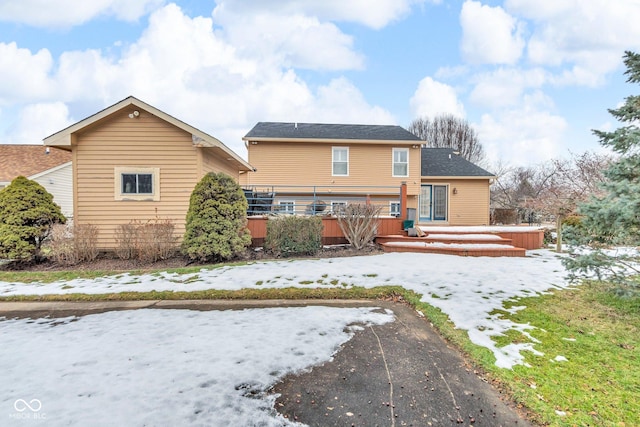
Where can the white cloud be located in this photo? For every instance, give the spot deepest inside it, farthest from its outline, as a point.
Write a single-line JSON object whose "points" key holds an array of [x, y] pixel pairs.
{"points": [[433, 98], [37, 121], [191, 72], [67, 13], [522, 136], [590, 36], [490, 35], [376, 14], [23, 75], [505, 86], [297, 41]]}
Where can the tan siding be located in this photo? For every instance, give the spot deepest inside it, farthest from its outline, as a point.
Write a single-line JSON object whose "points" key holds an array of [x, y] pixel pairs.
{"points": [[214, 163], [310, 164], [143, 142], [470, 206]]}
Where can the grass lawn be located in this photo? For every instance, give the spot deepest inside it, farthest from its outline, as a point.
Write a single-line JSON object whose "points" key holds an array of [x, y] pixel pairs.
{"points": [[588, 375], [596, 332]]}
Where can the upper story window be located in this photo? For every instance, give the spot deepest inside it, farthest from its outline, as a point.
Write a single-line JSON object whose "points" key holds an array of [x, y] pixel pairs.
{"points": [[400, 162], [340, 161], [133, 183]]}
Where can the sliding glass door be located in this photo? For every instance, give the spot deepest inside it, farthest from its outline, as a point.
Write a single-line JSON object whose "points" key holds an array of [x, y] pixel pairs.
{"points": [[433, 203]]}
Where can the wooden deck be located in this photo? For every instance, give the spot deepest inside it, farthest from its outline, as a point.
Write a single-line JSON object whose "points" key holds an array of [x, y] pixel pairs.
{"points": [[458, 240], [467, 241]]}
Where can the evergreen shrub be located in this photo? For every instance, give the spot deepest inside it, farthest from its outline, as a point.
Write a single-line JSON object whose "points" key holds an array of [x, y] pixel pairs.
{"points": [[293, 235], [216, 225], [27, 214]]}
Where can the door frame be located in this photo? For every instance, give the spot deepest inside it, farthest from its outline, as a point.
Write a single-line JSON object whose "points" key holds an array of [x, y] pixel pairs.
{"points": [[430, 217]]}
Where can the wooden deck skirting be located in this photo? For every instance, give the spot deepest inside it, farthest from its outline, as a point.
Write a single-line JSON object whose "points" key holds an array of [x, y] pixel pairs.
{"points": [[391, 229], [469, 251], [331, 233]]}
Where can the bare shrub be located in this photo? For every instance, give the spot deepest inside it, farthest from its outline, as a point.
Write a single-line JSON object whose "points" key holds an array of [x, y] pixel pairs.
{"points": [[146, 241], [72, 244], [125, 236], [85, 241], [155, 240], [60, 245], [359, 223]]}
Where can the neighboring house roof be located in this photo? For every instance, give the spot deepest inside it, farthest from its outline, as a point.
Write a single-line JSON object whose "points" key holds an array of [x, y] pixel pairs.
{"points": [[444, 162], [200, 139], [323, 132], [29, 160]]}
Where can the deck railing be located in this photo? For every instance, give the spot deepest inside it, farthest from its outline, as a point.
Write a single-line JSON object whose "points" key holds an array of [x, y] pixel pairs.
{"points": [[320, 199]]}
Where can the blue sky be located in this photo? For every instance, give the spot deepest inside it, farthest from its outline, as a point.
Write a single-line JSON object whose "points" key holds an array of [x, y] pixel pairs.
{"points": [[533, 77]]}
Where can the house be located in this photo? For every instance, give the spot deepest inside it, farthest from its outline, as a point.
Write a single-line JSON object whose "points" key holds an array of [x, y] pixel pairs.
{"points": [[304, 164], [453, 190], [132, 161], [307, 164], [49, 167]]}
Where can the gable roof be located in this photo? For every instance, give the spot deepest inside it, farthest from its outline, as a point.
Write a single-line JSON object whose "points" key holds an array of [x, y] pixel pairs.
{"points": [[444, 162], [200, 139], [324, 132], [29, 160]]}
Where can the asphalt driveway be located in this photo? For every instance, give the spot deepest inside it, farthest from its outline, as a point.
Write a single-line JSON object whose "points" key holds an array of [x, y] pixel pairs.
{"points": [[398, 374]]}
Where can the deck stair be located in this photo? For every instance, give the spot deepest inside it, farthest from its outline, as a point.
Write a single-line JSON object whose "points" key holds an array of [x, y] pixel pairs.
{"points": [[463, 244]]}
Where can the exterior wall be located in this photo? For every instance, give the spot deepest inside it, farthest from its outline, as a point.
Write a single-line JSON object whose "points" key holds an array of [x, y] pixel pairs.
{"points": [[470, 206], [302, 163], [212, 162], [119, 141], [59, 182]]}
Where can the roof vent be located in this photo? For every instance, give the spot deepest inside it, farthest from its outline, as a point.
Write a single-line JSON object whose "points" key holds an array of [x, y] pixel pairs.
{"points": [[449, 156], [295, 125], [46, 150]]}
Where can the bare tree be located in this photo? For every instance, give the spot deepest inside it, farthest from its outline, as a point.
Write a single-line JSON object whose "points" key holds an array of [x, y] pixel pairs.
{"points": [[552, 187], [449, 131]]}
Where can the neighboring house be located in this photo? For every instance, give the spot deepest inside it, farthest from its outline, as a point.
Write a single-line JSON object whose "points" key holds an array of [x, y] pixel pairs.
{"points": [[132, 161], [299, 163], [49, 167], [304, 163]]}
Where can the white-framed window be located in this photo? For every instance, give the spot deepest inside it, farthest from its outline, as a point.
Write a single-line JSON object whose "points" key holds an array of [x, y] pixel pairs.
{"points": [[401, 162], [131, 183], [340, 161], [337, 207], [287, 206], [394, 209]]}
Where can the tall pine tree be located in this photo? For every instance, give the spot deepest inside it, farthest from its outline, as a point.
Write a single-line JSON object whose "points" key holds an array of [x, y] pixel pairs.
{"points": [[614, 219]]}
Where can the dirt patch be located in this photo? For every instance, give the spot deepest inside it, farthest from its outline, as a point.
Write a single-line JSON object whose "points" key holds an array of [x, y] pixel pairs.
{"points": [[108, 262]]}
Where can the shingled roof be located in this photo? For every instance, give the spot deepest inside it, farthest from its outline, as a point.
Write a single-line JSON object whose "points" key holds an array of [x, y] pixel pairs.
{"points": [[445, 162], [29, 160], [325, 131]]}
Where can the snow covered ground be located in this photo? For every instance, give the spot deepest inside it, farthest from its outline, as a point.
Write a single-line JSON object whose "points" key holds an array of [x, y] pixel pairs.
{"points": [[183, 367], [467, 289], [164, 367]]}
